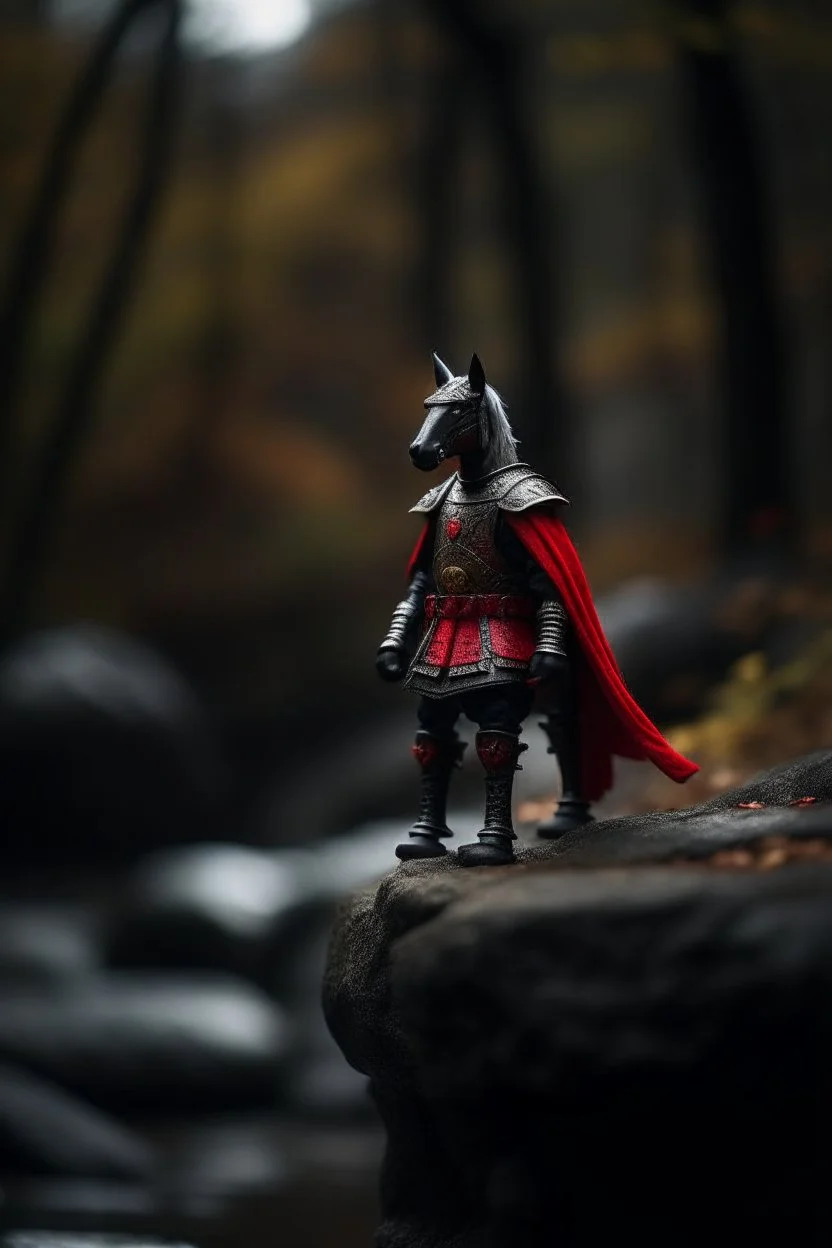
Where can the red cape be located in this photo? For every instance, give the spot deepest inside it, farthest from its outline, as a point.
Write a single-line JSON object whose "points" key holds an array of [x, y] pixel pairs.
{"points": [[611, 721]]}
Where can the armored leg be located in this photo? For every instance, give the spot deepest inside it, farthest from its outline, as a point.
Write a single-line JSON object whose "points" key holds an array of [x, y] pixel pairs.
{"points": [[562, 728], [500, 719], [438, 751]]}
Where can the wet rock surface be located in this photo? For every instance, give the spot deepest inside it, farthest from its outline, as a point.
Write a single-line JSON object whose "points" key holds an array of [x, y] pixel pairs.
{"points": [[575, 1049]]}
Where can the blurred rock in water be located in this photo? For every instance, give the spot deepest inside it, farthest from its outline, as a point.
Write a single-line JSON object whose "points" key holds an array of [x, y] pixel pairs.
{"points": [[331, 869], [150, 1042], [320, 1083], [44, 1130], [208, 906], [264, 915], [104, 750], [242, 910], [88, 1239], [226, 1158], [647, 992], [46, 944]]}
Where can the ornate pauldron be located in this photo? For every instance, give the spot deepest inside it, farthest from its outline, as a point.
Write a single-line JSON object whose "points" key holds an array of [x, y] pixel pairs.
{"points": [[513, 488]]}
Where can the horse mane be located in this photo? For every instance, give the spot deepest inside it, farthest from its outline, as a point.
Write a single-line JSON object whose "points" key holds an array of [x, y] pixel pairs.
{"points": [[502, 444]]}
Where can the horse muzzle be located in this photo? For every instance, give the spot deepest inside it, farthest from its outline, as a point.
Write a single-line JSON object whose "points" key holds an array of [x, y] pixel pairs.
{"points": [[426, 457]]}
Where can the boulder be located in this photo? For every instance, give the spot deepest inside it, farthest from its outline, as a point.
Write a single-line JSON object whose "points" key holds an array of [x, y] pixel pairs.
{"points": [[618, 1038]]}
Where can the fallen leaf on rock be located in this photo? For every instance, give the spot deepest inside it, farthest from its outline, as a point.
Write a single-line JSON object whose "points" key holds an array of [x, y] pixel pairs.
{"points": [[767, 854], [732, 858], [774, 857], [533, 810]]}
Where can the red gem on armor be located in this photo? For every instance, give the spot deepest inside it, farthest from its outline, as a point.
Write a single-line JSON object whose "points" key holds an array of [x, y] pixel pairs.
{"points": [[453, 528], [425, 752]]}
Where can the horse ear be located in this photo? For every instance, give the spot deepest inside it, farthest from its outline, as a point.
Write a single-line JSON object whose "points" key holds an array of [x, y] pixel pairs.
{"points": [[441, 372], [476, 375]]}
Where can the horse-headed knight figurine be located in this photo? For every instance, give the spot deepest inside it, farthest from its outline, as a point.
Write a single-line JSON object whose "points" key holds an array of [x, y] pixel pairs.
{"points": [[497, 604]]}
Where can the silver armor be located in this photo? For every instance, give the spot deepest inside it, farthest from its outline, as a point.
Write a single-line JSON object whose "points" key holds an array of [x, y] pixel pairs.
{"points": [[552, 626], [406, 615]]}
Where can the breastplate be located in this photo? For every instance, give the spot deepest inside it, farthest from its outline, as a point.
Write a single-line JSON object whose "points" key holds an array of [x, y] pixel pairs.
{"points": [[466, 559]]}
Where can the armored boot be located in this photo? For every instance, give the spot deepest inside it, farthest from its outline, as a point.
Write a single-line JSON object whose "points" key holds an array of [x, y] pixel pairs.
{"points": [[561, 727], [498, 752], [437, 758]]}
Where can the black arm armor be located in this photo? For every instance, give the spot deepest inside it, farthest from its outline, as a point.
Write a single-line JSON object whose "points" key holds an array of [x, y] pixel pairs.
{"points": [[407, 615], [552, 625]]}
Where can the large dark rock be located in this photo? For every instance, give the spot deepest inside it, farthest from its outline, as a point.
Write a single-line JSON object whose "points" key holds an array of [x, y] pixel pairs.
{"points": [[149, 1043], [45, 1131], [616, 1040], [104, 750]]}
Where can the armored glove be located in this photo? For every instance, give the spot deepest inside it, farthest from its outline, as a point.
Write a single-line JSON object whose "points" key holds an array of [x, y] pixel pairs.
{"points": [[392, 664]]}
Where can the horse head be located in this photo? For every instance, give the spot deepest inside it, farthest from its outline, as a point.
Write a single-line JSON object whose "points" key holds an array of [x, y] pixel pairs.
{"points": [[453, 423]]}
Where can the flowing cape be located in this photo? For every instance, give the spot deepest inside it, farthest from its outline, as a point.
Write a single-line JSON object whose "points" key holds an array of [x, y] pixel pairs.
{"points": [[610, 720]]}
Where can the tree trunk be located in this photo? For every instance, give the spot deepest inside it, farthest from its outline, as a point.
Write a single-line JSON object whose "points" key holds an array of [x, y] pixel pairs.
{"points": [[757, 505]]}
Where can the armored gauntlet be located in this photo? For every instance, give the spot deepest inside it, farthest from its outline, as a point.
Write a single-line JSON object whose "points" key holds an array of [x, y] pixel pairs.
{"points": [[549, 661], [551, 628], [394, 651], [407, 615]]}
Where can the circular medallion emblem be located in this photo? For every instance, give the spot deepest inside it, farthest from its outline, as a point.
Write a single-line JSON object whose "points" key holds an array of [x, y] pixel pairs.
{"points": [[455, 580]]}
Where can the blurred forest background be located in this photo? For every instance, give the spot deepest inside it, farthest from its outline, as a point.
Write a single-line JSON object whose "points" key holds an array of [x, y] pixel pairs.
{"points": [[349, 186]]}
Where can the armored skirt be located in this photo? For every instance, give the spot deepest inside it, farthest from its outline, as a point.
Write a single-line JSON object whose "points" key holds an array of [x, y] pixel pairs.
{"points": [[473, 640]]}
